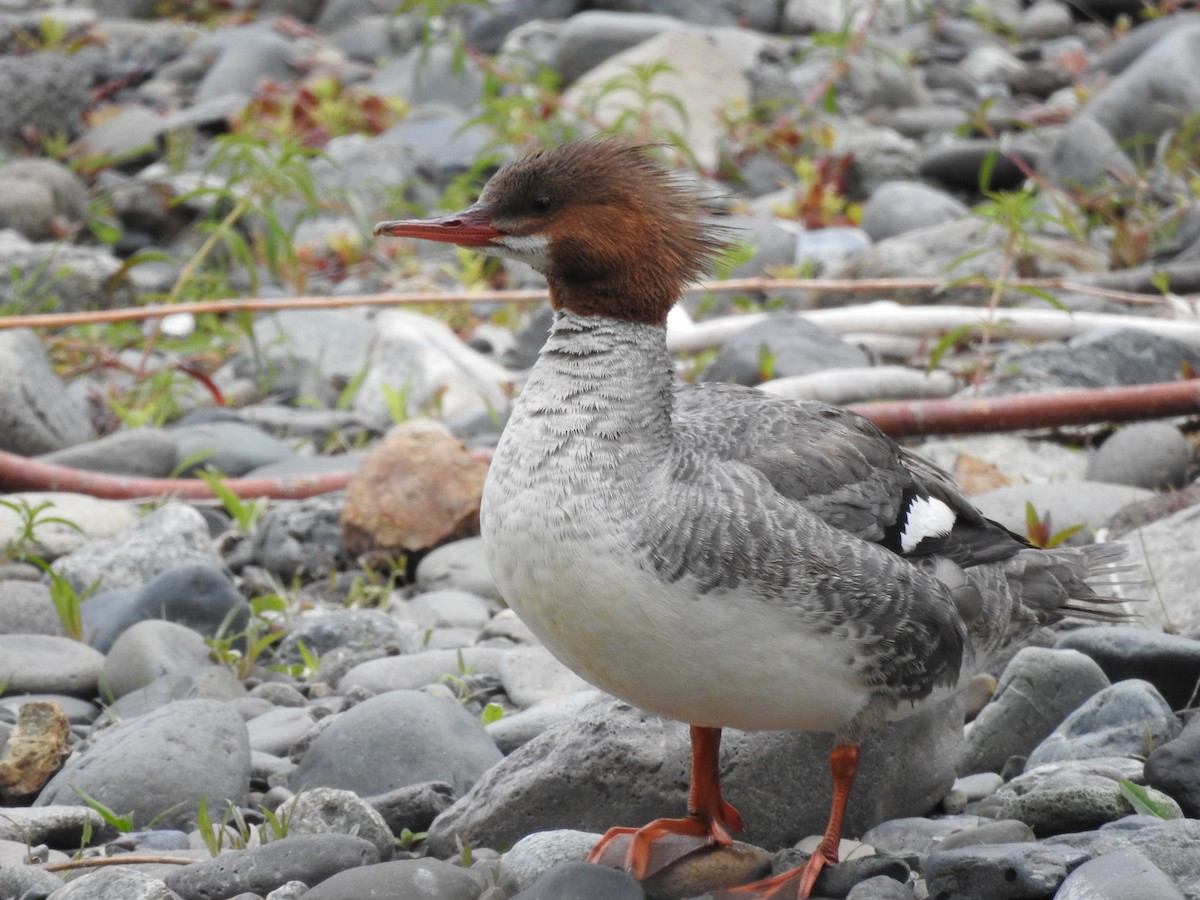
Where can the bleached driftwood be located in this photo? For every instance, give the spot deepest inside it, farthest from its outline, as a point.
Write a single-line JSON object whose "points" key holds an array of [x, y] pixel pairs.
{"points": [[842, 386]]}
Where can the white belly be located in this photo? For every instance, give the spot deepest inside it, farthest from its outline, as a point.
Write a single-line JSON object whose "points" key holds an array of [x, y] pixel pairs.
{"points": [[719, 659]]}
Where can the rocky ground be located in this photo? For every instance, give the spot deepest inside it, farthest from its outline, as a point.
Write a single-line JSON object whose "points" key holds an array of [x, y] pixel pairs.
{"points": [[326, 696]]}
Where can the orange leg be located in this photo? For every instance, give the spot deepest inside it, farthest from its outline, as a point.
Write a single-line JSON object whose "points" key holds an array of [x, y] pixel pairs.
{"points": [[643, 851], [798, 883]]}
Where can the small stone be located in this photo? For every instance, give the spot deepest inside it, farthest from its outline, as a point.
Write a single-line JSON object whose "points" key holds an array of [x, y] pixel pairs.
{"points": [[41, 663], [416, 490], [531, 675], [408, 879], [1036, 691], [186, 750], [1152, 455], [414, 806], [709, 870], [1003, 831], [460, 565], [899, 206], [398, 739], [1174, 768], [996, 872], [535, 854], [321, 810], [125, 882], [1127, 718], [582, 881], [1118, 876], [305, 857], [36, 413], [149, 650]]}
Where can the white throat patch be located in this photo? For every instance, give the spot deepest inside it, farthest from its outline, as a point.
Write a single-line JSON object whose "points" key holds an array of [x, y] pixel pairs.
{"points": [[531, 249], [926, 517]]}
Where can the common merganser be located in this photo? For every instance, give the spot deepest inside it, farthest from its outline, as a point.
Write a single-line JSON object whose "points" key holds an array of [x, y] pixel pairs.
{"points": [[709, 552]]}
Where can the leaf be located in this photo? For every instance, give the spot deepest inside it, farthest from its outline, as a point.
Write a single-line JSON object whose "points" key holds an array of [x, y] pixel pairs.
{"points": [[1142, 802], [493, 712], [123, 824]]}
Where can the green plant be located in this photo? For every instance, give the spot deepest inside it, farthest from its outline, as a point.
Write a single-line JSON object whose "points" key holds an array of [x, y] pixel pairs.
{"points": [[1040, 533], [244, 512], [315, 111], [242, 652], [1143, 803], [21, 544], [408, 838], [492, 712], [460, 681], [123, 823]]}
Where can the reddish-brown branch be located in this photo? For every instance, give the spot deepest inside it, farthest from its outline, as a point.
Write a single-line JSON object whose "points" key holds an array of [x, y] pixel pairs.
{"points": [[19, 473], [957, 416], [899, 419]]}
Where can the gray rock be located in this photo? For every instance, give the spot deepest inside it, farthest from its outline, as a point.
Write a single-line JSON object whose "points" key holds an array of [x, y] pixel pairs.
{"points": [[1170, 845], [1000, 872], [1127, 718], [1002, 831], [1085, 156], [84, 519], [413, 807], [959, 163], [26, 608], [614, 765], [1100, 358], [408, 879], [1038, 689], [1168, 661], [186, 750], [535, 854], [781, 345], [212, 683], [1174, 768], [518, 728], [589, 38], [1067, 503], [1117, 876], [277, 730], [881, 887], [47, 91], [231, 448], [438, 369], [43, 663], [241, 57], [133, 136], [458, 565], [1142, 101], [899, 206], [446, 609], [321, 810], [416, 670], [1152, 455], [434, 73], [397, 739], [335, 340], [124, 882], [460, 141], [1123, 52], [36, 414], [56, 826], [23, 880], [198, 595], [310, 858], [532, 675], [166, 538], [302, 538], [353, 629], [148, 650], [582, 881], [26, 207], [1166, 551], [1073, 808], [1044, 20], [67, 277], [144, 452]]}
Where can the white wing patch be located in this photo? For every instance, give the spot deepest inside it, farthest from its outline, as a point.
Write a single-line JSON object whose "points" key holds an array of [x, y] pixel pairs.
{"points": [[926, 517]]}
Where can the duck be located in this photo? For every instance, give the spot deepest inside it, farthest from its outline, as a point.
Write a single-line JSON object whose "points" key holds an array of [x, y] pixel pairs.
{"points": [[708, 552]]}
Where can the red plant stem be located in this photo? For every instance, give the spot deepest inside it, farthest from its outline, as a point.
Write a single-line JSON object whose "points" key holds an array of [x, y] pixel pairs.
{"points": [[1079, 407], [899, 419]]}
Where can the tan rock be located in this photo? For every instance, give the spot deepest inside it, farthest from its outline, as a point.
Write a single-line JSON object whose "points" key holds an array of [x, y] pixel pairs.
{"points": [[709, 870], [419, 488], [35, 750]]}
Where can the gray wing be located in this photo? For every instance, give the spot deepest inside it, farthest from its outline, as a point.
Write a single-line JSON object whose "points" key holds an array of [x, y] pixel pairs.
{"points": [[840, 467]]}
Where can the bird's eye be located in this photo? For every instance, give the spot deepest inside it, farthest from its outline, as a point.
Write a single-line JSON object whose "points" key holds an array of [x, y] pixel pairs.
{"points": [[541, 204]]}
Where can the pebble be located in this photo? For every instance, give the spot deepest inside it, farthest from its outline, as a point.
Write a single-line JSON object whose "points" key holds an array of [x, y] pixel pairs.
{"points": [[43, 663], [1151, 455], [419, 879], [322, 810], [186, 750], [148, 650], [397, 739]]}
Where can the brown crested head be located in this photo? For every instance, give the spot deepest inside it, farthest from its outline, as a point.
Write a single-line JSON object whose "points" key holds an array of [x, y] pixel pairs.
{"points": [[615, 233]]}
